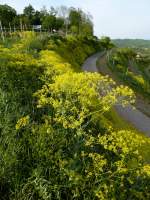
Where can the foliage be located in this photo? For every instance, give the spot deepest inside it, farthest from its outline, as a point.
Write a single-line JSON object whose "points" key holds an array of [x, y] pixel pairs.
{"points": [[49, 22], [57, 140], [88, 164], [69, 94], [75, 49], [19, 79], [62, 19], [29, 11], [80, 22], [7, 14], [124, 62], [106, 43]]}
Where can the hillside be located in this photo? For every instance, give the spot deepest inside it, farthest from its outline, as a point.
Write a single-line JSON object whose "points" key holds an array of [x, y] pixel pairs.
{"points": [[59, 137], [133, 43]]}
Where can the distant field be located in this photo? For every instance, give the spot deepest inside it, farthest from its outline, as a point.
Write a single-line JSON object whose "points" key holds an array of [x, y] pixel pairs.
{"points": [[134, 43]]}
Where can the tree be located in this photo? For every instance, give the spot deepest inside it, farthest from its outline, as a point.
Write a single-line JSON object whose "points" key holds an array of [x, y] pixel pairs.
{"points": [[74, 30], [87, 29], [87, 25], [7, 14], [29, 13], [75, 18], [36, 18], [63, 12], [43, 11], [106, 43], [53, 11], [59, 23], [80, 22], [49, 22]]}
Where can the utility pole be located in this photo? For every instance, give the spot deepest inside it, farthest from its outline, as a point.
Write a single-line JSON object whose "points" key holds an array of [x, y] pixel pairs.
{"points": [[79, 18], [26, 27], [5, 31], [10, 28], [21, 25], [66, 21], [14, 28], [2, 33]]}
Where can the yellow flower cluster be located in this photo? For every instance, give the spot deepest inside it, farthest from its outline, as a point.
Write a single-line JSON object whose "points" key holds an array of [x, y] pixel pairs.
{"points": [[76, 96], [22, 122], [55, 64], [123, 142]]}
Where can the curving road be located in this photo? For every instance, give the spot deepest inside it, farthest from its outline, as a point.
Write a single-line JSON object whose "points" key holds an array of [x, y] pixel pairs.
{"points": [[139, 120]]}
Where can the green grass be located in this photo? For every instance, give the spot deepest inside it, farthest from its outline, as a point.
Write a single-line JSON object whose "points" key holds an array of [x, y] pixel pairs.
{"points": [[118, 122]]}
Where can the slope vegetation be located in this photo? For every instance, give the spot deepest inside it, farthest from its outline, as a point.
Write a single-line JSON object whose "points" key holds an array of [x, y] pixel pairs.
{"points": [[58, 140]]}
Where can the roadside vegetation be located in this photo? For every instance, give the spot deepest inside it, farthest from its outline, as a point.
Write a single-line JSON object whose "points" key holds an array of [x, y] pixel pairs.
{"points": [[58, 137], [131, 67]]}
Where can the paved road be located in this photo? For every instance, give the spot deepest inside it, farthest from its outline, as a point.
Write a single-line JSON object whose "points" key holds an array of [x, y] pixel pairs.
{"points": [[139, 120]]}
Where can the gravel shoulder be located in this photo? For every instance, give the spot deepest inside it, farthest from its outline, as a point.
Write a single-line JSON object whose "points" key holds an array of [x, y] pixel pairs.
{"points": [[134, 116]]}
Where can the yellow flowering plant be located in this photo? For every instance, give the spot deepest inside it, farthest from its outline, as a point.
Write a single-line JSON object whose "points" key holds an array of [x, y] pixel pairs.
{"points": [[77, 96]]}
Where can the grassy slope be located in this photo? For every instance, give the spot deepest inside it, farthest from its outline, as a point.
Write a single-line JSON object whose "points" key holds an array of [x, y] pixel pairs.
{"points": [[112, 118]]}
